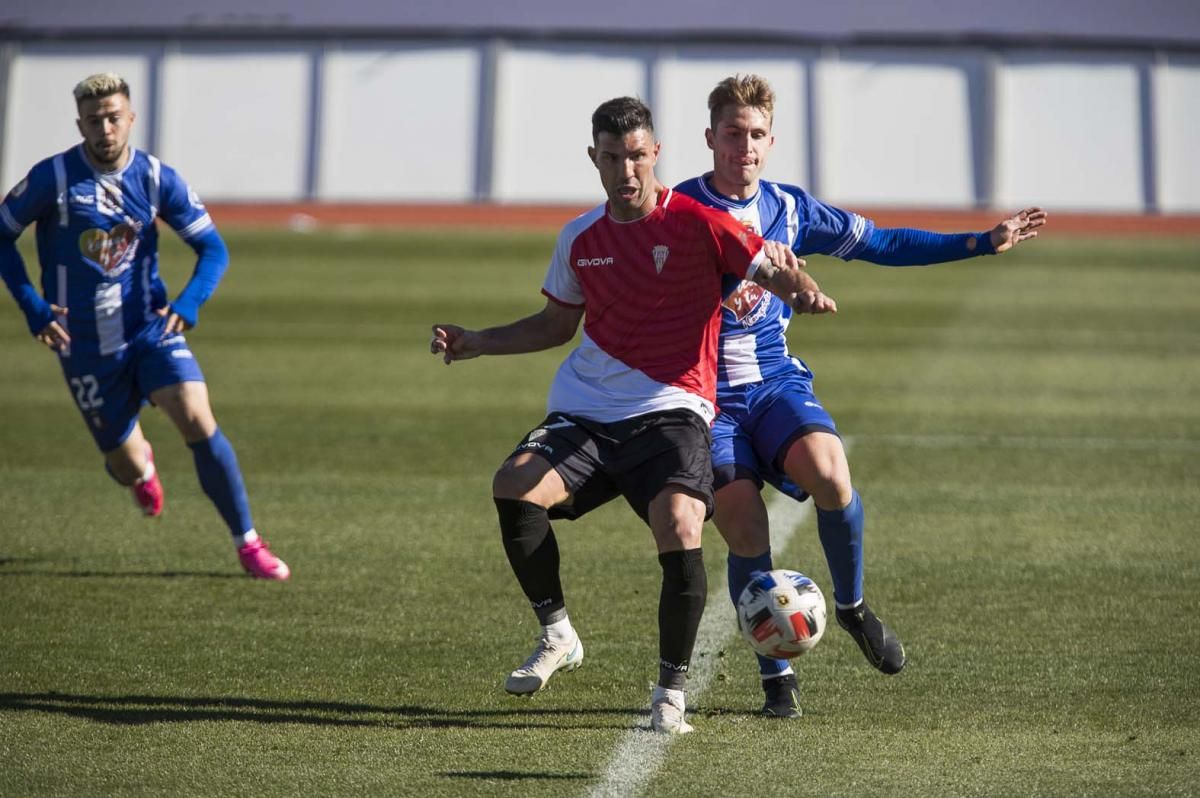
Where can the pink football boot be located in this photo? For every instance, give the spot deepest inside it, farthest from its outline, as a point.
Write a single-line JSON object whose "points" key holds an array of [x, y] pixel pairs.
{"points": [[260, 563], [148, 491]]}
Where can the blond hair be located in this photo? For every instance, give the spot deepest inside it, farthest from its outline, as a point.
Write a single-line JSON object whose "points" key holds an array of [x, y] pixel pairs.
{"points": [[100, 85], [743, 91]]}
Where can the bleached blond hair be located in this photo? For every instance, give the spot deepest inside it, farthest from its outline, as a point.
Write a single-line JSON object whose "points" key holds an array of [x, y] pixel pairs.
{"points": [[102, 84], [750, 91]]}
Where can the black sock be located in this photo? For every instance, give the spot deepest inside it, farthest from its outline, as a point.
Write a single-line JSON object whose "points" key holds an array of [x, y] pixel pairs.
{"points": [[684, 589], [533, 554]]}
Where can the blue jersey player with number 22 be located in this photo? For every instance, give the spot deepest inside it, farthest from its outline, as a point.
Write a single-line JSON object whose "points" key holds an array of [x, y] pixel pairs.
{"points": [[103, 307]]}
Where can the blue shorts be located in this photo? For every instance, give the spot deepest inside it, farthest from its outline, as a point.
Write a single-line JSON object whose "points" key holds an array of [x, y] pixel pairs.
{"points": [[756, 425], [111, 389]]}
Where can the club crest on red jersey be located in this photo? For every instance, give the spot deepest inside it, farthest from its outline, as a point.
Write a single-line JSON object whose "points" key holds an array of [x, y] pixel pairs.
{"points": [[660, 257]]}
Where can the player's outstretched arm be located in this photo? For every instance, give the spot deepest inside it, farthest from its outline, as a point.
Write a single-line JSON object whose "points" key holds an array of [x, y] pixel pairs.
{"points": [[903, 246], [552, 326], [1019, 227], [783, 274]]}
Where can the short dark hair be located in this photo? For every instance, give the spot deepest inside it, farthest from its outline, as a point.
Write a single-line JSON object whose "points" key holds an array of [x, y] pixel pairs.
{"points": [[621, 115]]}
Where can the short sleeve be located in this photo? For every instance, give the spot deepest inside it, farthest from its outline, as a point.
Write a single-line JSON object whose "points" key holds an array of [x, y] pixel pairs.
{"points": [[180, 206], [562, 283], [28, 200], [738, 247]]}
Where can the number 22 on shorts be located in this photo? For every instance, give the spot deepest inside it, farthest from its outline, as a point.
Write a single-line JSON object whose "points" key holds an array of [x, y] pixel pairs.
{"points": [[85, 389]]}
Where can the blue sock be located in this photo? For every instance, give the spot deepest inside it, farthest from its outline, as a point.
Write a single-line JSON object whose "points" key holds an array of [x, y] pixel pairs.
{"points": [[841, 533], [221, 479], [740, 570]]}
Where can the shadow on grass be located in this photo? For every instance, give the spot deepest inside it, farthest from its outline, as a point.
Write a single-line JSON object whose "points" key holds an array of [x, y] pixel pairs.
{"points": [[512, 775], [128, 574], [22, 560], [134, 710]]}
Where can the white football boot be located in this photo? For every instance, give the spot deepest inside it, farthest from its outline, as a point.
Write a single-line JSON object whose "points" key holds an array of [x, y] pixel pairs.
{"points": [[548, 658], [667, 711]]}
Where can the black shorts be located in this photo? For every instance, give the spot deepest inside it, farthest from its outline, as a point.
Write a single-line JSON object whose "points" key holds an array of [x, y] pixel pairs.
{"points": [[635, 458]]}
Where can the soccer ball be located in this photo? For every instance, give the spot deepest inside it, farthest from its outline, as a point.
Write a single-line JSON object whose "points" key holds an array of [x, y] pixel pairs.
{"points": [[781, 613]]}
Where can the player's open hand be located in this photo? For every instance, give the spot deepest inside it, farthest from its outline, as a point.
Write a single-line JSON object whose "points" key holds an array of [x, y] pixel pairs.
{"points": [[453, 343], [54, 335], [175, 322], [782, 255], [1015, 229], [813, 302]]}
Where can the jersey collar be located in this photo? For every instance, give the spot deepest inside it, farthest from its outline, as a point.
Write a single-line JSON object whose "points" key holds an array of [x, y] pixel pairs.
{"points": [[107, 175], [716, 198], [664, 197]]}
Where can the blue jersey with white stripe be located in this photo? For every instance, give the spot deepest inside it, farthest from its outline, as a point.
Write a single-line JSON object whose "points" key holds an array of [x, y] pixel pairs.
{"points": [[754, 321], [97, 240]]}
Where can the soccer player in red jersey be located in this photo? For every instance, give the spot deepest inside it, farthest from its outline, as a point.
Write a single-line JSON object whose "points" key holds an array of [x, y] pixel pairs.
{"points": [[630, 407]]}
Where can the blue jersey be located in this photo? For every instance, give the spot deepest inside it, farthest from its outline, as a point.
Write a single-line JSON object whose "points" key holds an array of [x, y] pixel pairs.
{"points": [[754, 321], [97, 241]]}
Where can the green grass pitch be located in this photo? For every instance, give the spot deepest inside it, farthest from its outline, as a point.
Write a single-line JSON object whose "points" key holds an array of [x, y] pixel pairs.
{"points": [[1025, 434]]}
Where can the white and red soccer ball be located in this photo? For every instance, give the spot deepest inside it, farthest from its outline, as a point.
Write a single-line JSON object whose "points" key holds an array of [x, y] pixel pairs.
{"points": [[781, 613]]}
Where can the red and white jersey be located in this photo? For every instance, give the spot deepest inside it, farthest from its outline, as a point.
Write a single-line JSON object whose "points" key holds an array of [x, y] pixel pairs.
{"points": [[651, 294]]}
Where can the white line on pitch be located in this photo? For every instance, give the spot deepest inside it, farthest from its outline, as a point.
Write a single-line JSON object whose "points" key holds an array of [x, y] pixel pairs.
{"points": [[642, 752]]}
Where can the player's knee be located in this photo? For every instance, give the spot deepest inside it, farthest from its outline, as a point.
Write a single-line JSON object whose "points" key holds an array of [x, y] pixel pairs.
{"points": [[506, 484], [741, 518], [186, 404], [529, 478], [689, 535], [513, 481], [832, 490], [677, 524], [745, 533], [745, 540], [197, 428], [818, 465]]}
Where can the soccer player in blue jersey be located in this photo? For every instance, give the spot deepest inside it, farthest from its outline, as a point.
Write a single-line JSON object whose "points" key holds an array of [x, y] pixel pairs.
{"points": [[771, 427], [103, 307]]}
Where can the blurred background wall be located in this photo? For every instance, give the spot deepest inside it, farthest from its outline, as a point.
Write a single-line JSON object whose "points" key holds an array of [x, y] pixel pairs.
{"points": [[1076, 105]]}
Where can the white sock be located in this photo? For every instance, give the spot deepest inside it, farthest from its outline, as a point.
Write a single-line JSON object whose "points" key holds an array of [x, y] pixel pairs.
{"points": [[249, 536], [559, 631], [676, 697], [148, 474]]}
